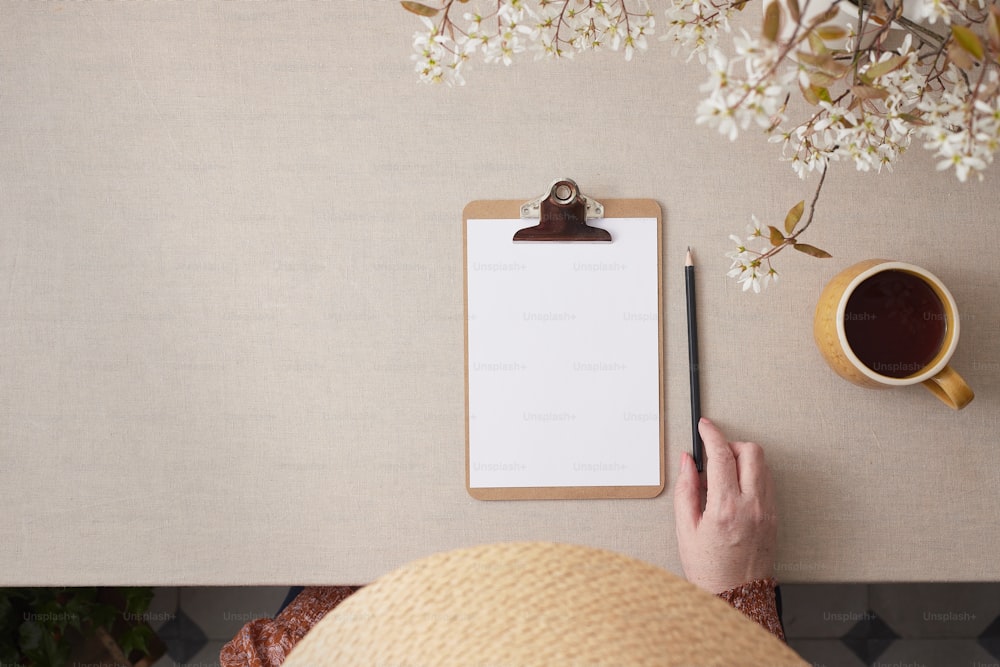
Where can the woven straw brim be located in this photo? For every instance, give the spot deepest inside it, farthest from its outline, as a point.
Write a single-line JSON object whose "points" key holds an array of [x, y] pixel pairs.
{"points": [[536, 604]]}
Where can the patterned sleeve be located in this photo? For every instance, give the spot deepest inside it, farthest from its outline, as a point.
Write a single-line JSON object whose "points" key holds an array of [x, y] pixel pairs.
{"points": [[265, 642], [756, 600]]}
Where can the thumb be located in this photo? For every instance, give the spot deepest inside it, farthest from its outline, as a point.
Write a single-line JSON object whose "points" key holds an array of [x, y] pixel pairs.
{"points": [[687, 495]]}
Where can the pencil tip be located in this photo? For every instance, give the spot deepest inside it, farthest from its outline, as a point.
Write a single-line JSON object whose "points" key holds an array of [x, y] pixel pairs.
{"points": [[689, 261]]}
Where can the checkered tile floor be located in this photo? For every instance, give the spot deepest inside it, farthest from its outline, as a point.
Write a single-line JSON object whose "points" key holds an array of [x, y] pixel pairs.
{"points": [[842, 625]]}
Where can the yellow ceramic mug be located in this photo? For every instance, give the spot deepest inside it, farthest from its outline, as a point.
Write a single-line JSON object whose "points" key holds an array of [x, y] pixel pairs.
{"points": [[882, 324]]}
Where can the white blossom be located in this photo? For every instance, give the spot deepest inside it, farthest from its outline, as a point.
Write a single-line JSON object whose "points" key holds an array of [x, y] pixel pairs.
{"points": [[872, 131], [695, 26], [930, 10], [438, 58], [747, 268], [745, 89], [963, 127]]}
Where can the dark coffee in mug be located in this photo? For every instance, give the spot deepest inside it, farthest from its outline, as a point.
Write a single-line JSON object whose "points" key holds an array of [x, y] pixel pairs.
{"points": [[895, 323]]}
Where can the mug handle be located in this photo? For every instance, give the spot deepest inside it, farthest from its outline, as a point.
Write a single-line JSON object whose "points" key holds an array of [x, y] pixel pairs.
{"points": [[950, 388]]}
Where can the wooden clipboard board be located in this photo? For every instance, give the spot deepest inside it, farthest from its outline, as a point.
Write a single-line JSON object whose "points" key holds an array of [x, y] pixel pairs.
{"points": [[512, 350]]}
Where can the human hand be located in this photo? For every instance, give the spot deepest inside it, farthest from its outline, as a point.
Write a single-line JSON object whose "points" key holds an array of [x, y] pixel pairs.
{"points": [[727, 528]]}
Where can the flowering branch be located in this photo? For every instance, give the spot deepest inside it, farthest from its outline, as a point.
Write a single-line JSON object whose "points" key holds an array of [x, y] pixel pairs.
{"points": [[748, 264], [874, 77], [551, 28]]}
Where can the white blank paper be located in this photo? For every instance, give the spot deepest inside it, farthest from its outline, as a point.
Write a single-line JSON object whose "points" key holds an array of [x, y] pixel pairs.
{"points": [[563, 357]]}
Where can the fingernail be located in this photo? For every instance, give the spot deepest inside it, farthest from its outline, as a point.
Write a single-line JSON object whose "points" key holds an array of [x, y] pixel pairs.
{"points": [[704, 420], [685, 463]]}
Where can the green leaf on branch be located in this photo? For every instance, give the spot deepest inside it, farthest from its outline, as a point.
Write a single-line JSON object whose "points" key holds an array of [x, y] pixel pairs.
{"points": [[831, 32], [822, 79], [809, 94], [869, 93], [823, 94], [812, 250], [815, 59], [418, 8], [794, 215], [968, 40], [777, 238], [883, 68], [816, 43], [913, 119], [824, 62], [772, 22]]}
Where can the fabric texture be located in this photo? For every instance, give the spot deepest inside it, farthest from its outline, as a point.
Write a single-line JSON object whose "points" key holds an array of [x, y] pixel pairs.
{"points": [[231, 258], [756, 599], [266, 642]]}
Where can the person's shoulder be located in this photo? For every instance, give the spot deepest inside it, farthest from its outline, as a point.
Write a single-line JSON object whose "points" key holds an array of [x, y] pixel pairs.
{"points": [[266, 642]]}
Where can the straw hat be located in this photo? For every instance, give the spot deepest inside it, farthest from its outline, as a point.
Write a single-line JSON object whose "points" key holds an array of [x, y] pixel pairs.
{"points": [[536, 603]]}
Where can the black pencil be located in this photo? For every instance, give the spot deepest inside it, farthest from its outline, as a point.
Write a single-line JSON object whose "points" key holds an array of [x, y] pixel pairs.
{"points": [[697, 447]]}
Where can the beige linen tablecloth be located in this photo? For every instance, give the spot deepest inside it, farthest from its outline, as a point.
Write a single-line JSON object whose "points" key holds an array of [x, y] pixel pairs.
{"points": [[231, 336]]}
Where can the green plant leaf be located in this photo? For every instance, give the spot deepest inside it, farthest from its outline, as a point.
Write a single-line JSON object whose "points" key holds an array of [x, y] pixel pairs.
{"points": [[53, 616], [777, 238], [53, 652], [794, 215], [135, 639], [772, 22], [32, 625], [102, 615], [822, 79], [869, 93], [816, 43], [913, 119], [831, 32], [812, 250], [968, 40], [819, 60], [137, 598], [823, 61], [883, 68], [419, 8], [809, 94], [77, 609]]}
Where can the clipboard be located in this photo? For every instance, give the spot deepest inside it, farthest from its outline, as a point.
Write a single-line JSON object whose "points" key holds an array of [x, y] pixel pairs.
{"points": [[564, 347]]}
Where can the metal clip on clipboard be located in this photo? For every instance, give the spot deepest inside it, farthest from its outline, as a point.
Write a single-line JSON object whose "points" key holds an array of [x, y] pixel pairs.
{"points": [[563, 213]]}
